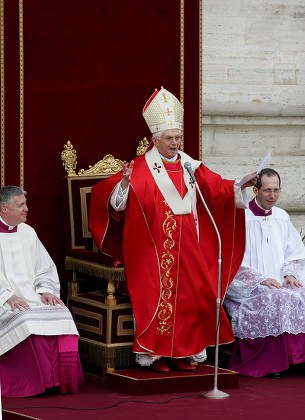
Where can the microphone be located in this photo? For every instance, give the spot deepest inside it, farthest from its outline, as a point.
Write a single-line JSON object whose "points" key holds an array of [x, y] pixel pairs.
{"points": [[188, 167], [215, 392]]}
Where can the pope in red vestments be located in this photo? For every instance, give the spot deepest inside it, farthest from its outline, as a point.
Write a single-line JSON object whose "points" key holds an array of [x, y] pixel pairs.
{"points": [[169, 245]]}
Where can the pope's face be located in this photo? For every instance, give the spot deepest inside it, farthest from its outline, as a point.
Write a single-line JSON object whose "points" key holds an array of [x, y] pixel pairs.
{"points": [[169, 142], [16, 211], [268, 194]]}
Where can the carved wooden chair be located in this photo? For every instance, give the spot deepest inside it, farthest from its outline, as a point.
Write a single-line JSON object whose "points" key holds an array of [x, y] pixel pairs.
{"points": [[103, 315], [82, 255]]}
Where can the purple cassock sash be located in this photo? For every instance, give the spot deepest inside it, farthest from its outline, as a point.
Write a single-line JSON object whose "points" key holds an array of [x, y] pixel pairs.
{"points": [[258, 211]]}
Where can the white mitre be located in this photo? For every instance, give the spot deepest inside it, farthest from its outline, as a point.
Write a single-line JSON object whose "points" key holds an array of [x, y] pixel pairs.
{"points": [[163, 111]]}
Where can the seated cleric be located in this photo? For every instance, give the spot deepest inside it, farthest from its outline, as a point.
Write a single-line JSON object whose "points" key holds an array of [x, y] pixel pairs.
{"points": [[169, 245], [266, 299], [38, 337]]}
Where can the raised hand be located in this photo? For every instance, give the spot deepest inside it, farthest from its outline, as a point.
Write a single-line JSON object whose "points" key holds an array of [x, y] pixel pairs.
{"points": [[250, 180], [127, 171]]}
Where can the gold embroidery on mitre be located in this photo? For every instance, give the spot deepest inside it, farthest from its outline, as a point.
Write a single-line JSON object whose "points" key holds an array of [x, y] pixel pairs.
{"points": [[163, 112], [165, 310]]}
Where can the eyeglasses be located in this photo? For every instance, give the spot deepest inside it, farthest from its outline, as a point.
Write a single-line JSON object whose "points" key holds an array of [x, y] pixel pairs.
{"points": [[169, 139], [271, 190]]}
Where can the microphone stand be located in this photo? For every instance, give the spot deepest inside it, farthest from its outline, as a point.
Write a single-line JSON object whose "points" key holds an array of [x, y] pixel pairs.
{"points": [[215, 393]]}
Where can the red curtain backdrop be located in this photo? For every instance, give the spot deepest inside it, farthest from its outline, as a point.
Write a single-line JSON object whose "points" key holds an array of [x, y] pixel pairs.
{"points": [[12, 92], [192, 78], [89, 67]]}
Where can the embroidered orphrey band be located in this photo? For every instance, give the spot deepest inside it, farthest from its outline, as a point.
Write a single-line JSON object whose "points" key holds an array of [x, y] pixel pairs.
{"points": [[165, 310]]}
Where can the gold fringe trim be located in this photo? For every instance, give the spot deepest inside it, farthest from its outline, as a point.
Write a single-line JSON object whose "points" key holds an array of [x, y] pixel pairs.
{"points": [[102, 356], [96, 270]]}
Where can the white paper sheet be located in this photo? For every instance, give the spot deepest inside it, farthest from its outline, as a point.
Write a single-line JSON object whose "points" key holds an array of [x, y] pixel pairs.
{"points": [[264, 163]]}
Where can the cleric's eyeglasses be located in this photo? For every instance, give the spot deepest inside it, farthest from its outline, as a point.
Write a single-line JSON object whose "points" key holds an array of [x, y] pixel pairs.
{"points": [[271, 190], [170, 139]]}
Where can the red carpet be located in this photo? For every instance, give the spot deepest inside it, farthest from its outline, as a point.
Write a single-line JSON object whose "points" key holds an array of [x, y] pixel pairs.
{"points": [[10, 415], [139, 381], [255, 398]]}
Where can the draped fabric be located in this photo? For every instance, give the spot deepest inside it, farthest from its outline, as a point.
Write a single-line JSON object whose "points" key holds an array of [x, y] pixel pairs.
{"points": [[171, 260], [259, 357], [39, 363]]}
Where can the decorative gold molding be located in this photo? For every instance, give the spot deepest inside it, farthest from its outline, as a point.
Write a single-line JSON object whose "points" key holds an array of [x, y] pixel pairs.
{"points": [[21, 75], [143, 145], [182, 68], [21, 86], [121, 331], [69, 158], [182, 60], [85, 211], [90, 315], [108, 165], [2, 99]]}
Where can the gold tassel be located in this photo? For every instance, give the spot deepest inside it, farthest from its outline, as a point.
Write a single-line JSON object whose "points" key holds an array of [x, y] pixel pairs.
{"points": [[105, 357], [96, 270]]}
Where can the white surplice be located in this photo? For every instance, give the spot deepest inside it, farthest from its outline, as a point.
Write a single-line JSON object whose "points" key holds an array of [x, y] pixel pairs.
{"points": [[274, 249], [26, 269]]}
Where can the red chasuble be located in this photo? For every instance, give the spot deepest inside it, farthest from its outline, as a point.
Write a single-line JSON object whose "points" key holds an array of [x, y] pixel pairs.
{"points": [[172, 271]]}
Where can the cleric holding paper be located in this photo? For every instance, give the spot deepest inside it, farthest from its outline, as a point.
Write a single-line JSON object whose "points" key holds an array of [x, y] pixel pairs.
{"points": [[169, 245], [38, 337], [266, 300]]}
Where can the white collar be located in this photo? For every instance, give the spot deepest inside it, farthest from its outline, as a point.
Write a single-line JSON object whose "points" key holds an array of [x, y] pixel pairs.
{"points": [[266, 211], [172, 159], [178, 204]]}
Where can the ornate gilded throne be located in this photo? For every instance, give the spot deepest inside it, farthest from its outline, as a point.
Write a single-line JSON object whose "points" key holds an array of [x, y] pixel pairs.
{"points": [[97, 292]]}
